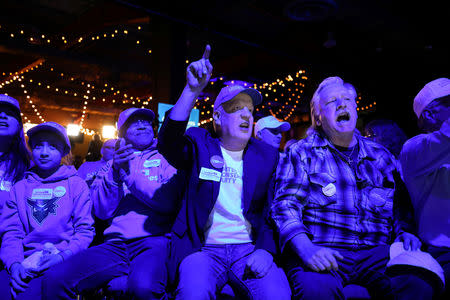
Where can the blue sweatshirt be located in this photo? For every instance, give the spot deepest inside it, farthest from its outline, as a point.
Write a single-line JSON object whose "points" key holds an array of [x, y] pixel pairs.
{"points": [[88, 170], [56, 209], [425, 162], [140, 204]]}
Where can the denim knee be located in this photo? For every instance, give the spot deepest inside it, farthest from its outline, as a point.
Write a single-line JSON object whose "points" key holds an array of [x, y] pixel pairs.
{"points": [[316, 286]]}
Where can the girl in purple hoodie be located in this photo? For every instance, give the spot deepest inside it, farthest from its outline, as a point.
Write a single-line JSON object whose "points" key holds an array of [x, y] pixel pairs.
{"points": [[14, 156], [47, 217]]}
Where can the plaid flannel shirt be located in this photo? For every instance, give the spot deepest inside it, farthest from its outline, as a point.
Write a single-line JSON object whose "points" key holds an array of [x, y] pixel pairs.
{"points": [[318, 193]]}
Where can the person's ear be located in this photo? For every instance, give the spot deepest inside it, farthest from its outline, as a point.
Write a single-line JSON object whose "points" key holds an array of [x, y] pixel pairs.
{"points": [[318, 121], [427, 115], [216, 117]]}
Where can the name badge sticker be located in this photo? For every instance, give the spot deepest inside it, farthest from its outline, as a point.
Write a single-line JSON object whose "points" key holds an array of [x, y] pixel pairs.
{"points": [[210, 174], [152, 163], [42, 194]]}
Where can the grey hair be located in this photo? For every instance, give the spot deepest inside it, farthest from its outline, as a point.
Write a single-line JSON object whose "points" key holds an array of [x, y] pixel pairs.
{"points": [[315, 101]]}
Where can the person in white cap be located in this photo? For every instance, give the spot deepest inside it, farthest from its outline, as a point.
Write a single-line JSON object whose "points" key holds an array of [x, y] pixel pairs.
{"points": [[269, 130], [425, 161], [222, 234], [136, 193], [335, 206]]}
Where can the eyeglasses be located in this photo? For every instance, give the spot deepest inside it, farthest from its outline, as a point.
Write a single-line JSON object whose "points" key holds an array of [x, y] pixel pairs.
{"points": [[137, 122]]}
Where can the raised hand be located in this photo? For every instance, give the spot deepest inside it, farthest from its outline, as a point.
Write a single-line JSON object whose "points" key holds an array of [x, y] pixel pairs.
{"points": [[199, 72], [122, 156]]}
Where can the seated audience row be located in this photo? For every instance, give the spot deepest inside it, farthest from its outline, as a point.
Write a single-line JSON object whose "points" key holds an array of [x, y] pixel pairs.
{"points": [[193, 211]]}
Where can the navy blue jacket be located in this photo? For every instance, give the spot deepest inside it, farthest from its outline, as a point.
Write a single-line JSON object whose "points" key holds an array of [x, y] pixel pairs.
{"points": [[190, 151]]}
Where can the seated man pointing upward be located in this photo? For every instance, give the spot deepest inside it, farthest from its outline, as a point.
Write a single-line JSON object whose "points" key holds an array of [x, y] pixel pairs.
{"points": [[221, 234]]}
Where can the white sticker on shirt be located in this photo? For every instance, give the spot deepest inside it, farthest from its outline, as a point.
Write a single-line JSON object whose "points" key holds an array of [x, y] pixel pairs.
{"points": [[59, 191], [210, 174], [153, 178], [329, 190], [152, 163], [42, 194], [5, 185]]}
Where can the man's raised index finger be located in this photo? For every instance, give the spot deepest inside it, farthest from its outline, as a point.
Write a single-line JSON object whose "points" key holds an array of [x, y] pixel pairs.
{"points": [[207, 51]]}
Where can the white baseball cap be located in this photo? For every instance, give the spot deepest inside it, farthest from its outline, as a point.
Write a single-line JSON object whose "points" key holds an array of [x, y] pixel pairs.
{"points": [[432, 90], [400, 256], [271, 122]]}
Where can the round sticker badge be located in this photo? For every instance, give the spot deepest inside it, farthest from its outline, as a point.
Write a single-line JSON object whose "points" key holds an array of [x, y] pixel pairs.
{"points": [[216, 161], [59, 191], [329, 190]]}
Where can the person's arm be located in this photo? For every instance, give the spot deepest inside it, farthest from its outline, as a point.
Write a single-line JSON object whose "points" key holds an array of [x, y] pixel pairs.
{"points": [[315, 257], [425, 153], [106, 192], [403, 209], [266, 237], [83, 222], [292, 189], [13, 232], [197, 77], [173, 144], [405, 229], [260, 261], [162, 195]]}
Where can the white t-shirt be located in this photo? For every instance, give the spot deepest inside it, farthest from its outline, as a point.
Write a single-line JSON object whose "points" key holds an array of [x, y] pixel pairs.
{"points": [[226, 223]]}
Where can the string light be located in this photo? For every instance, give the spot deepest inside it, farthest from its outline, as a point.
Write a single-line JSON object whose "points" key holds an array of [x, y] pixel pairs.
{"points": [[61, 38], [283, 96], [16, 76], [85, 96]]}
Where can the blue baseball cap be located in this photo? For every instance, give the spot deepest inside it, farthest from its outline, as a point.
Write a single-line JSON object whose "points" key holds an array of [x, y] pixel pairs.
{"points": [[56, 128], [229, 92], [128, 113], [10, 101]]}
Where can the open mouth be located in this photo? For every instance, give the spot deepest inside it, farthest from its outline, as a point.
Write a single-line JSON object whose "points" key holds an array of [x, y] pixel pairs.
{"points": [[3, 124], [244, 125], [343, 117]]}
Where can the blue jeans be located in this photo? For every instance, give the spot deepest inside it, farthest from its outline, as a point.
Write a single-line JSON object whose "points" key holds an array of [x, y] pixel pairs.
{"points": [[205, 272], [365, 267], [142, 260]]}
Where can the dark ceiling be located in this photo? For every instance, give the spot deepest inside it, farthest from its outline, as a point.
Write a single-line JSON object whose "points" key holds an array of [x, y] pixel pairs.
{"points": [[387, 49]]}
